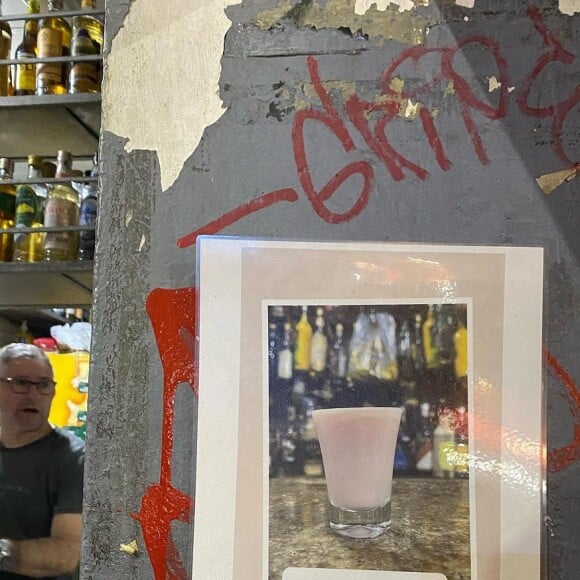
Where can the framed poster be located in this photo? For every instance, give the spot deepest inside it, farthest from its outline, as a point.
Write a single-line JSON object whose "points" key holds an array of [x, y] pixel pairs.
{"points": [[450, 335]]}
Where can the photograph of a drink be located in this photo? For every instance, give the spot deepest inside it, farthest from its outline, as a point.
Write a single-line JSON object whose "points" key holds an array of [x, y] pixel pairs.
{"points": [[358, 450]]}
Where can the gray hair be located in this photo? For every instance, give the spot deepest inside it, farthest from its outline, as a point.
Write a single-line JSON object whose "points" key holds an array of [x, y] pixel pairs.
{"points": [[18, 350]]}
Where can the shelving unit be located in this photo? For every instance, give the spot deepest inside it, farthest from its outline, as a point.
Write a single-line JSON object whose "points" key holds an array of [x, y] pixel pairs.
{"points": [[42, 125]]}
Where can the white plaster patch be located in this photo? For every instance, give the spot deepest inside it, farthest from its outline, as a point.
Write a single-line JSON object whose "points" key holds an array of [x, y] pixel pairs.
{"points": [[362, 6], [465, 3], [177, 49], [569, 6]]}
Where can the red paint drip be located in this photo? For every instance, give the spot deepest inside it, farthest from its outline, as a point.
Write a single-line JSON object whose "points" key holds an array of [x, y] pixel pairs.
{"points": [[172, 314], [237, 214], [560, 459]]}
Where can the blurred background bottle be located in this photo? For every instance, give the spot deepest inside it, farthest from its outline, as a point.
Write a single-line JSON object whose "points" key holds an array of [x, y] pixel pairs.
{"points": [[29, 247], [54, 38], [88, 215], [84, 75], [95, 28], [25, 74], [62, 209], [303, 342], [7, 208], [5, 46]]}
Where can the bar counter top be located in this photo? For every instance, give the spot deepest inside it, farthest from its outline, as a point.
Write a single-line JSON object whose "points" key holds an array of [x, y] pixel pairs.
{"points": [[429, 532]]}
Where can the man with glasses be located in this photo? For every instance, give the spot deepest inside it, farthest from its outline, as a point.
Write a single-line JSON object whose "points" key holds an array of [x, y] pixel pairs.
{"points": [[41, 473]]}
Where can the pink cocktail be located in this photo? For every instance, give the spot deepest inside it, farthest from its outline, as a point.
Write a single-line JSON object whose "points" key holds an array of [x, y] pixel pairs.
{"points": [[358, 449]]}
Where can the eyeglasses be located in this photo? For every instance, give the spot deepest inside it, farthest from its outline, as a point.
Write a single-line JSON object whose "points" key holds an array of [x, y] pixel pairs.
{"points": [[22, 386]]}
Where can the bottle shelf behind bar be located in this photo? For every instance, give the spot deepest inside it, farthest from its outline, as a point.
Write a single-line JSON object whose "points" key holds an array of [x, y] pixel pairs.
{"points": [[410, 355]]}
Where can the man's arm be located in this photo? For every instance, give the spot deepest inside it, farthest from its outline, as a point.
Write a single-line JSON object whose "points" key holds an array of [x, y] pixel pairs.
{"points": [[57, 554]]}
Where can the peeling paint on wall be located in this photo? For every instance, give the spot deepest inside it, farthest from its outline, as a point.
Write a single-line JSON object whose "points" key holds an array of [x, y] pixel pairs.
{"points": [[392, 23], [569, 6], [549, 182], [181, 96], [362, 6]]}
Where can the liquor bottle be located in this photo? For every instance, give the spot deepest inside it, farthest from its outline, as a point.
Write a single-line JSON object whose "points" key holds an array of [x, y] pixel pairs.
{"points": [[303, 342], [54, 37], [5, 46], [319, 344], [461, 444], [23, 334], [90, 23], [62, 209], [285, 357], [84, 75], [291, 455], [431, 353], [25, 74], [88, 217], [445, 328], [311, 447], [417, 350], [406, 368], [274, 452], [29, 247], [444, 447], [424, 445], [338, 355], [7, 208]]}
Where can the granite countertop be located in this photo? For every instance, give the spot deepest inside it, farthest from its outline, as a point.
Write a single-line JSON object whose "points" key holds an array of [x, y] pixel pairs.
{"points": [[429, 533]]}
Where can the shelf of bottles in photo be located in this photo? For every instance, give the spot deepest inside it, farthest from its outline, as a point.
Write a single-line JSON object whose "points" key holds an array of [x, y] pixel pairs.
{"points": [[409, 356], [61, 52], [50, 216]]}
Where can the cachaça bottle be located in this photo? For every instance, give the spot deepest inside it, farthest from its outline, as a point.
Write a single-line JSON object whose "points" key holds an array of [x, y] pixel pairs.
{"points": [[62, 209], [25, 73], [29, 247], [7, 208], [303, 342], [5, 46], [54, 38]]}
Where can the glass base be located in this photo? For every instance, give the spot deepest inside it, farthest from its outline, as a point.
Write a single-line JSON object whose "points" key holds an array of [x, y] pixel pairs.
{"points": [[360, 524]]}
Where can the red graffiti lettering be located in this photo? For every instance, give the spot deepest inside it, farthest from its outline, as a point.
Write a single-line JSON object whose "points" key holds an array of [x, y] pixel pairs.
{"points": [[559, 111], [172, 314], [331, 119]]}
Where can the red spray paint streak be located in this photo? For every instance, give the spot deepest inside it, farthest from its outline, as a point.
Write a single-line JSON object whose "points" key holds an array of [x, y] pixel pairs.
{"points": [[172, 314], [560, 459]]}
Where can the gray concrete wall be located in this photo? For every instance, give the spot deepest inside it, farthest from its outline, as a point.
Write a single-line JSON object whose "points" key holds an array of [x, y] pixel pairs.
{"points": [[213, 107]]}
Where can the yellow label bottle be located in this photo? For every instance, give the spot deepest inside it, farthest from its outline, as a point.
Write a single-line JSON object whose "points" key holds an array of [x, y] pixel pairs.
{"points": [[460, 344], [431, 353], [303, 342], [7, 209]]}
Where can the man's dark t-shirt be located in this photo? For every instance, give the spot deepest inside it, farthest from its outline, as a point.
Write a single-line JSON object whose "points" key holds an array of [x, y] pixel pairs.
{"points": [[37, 482]]}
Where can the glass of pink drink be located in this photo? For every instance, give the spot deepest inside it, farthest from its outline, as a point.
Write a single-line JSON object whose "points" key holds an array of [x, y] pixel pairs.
{"points": [[358, 449]]}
